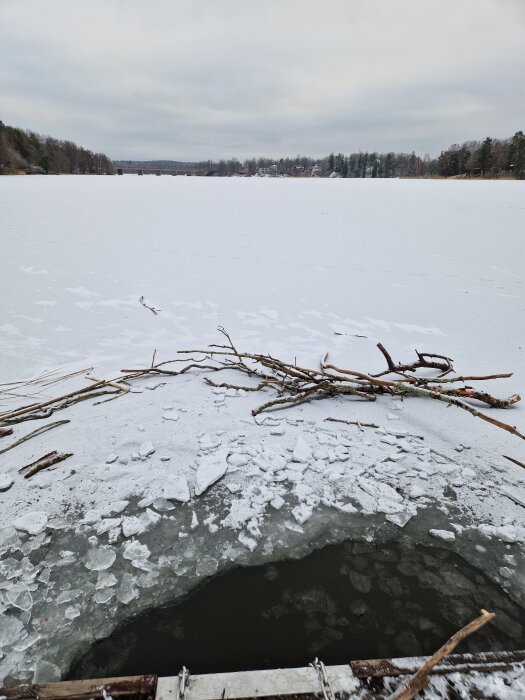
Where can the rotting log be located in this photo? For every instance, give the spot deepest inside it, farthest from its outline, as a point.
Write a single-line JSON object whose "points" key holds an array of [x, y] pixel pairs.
{"points": [[483, 662], [126, 688]]}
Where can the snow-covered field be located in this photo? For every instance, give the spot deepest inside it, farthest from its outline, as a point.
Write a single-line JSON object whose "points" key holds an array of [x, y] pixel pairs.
{"points": [[291, 267]]}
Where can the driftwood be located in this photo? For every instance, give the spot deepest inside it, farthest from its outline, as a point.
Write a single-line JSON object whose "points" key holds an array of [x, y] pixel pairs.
{"points": [[411, 687], [293, 384], [44, 462], [125, 688], [33, 433]]}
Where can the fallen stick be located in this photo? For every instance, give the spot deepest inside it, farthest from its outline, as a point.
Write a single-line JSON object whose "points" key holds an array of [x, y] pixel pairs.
{"points": [[108, 382], [411, 687], [353, 422], [511, 459], [33, 433], [4, 432], [151, 308], [43, 463]]}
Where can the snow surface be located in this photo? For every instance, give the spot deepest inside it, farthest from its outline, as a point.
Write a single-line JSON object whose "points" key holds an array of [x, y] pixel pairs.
{"points": [[176, 481]]}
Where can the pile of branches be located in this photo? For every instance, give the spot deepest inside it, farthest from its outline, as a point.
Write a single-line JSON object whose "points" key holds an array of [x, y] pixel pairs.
{"points": [[292, 384]]}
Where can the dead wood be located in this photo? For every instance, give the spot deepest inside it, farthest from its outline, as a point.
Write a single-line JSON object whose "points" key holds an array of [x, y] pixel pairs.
{"points": [[293, 384], [515, 461], [425, 360], [33, 433], [151, 308], [411, 687], [353, 422], [44, 462], [4, 432]]}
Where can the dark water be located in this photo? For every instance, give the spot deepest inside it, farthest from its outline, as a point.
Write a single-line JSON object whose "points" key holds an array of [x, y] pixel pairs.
{"points": [[343, 602]]}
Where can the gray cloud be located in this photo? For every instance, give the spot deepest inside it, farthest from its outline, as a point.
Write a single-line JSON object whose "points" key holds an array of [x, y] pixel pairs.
{"points": [[216, 78]]}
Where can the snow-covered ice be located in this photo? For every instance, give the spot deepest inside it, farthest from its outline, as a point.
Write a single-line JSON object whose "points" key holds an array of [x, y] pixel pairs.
{"points": [[118, 527]]}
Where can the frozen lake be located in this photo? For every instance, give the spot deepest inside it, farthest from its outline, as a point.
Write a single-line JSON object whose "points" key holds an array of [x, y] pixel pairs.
{"points": [[277, 262], [291, 267]]}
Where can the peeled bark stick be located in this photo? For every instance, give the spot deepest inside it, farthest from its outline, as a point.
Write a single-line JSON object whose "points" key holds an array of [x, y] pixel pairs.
{"points": [[33, 433], [43, 463], [411, 687]]}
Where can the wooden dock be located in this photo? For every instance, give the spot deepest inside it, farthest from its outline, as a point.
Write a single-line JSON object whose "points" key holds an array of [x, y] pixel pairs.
{"points": [[374, 679]]}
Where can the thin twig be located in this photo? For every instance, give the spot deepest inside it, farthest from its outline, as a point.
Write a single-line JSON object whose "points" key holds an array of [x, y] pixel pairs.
{"points": [[353, 422], [34, 433], [151, 308]]}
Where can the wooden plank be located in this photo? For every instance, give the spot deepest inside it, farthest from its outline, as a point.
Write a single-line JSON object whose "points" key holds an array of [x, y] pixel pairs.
{"points": [[129, 687], [485, 661]]}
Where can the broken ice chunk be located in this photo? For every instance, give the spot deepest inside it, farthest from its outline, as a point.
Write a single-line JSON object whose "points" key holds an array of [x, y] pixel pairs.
{"points": [[247, 541], [162, 505], [237, 460], [126, 592], [206, 566], [177, 489], [446, 535], [6, 481], [302, 451], [45, 672], [171, 416], [19, 596], [301, 513], [135, 551], [10, 630], [277, 502], [400, 519], [107, 525], [416, 491], [103, 596], [100, 558], [71, 612], [33, 522], [146, 449], [131, 525], [105, 580], [211, 468]]}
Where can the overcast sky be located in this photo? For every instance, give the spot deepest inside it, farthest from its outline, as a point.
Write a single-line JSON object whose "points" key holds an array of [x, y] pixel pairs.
{"points": [[195, 79]]}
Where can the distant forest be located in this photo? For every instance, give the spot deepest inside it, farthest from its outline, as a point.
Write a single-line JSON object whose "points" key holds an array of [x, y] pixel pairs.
{"points": [[25, 151], [487, 158]]}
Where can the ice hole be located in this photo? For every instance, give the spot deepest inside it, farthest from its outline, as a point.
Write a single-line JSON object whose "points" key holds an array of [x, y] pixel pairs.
{"points": [[343, 602]]}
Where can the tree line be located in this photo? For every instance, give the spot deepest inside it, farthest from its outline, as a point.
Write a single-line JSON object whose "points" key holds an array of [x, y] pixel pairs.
{"points": [[25, 151], [487, 158]]}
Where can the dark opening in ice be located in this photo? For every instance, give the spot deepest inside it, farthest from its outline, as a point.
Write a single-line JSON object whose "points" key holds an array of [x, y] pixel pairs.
{"points": [[348, 601]]}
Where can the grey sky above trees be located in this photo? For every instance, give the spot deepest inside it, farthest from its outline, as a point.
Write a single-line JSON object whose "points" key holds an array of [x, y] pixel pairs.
{"points": [[197, 79]]}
